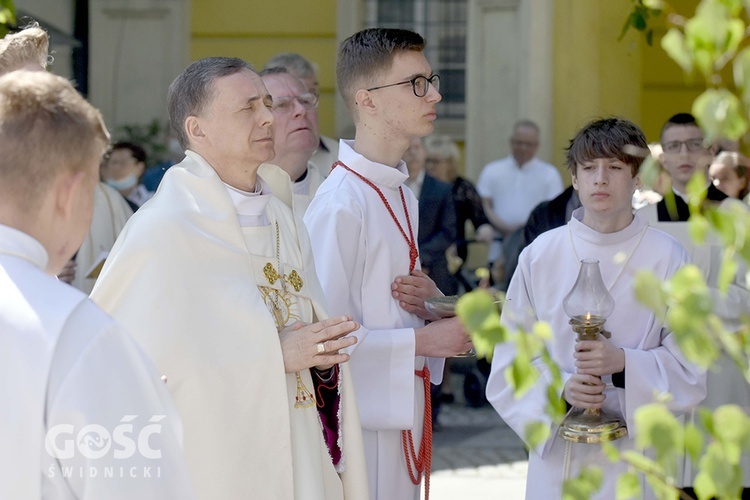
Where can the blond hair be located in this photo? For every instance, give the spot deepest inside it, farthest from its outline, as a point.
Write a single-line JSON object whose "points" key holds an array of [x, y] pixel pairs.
{"points": [[46, 129], [28, 46], [442, 147]]}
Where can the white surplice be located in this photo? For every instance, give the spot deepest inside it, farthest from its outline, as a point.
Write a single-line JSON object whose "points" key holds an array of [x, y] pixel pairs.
{"points": [[67, 365], [111, 212], [359, 251], [304, 190], [726, 384], [546, 272], [182, 274]]}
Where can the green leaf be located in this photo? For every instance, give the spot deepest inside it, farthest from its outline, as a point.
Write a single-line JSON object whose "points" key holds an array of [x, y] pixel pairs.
{"points": [[648, 291], [696, 191], [477, 310], [582, 487], [741, 68], [479, 315], [556, 407], [537, 433], [521, 375], [628, 486], [654, 4], [698, 228], [674, 44], [719, 112], [611, 451], [639, 461], [727, 272], [693, 441], [659, 429]]}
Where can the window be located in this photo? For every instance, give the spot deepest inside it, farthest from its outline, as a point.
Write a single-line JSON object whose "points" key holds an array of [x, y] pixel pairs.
{"points": [[443, 24]]}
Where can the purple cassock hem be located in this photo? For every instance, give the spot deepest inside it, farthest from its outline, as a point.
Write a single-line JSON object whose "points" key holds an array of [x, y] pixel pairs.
{"points": [[329, 401]]}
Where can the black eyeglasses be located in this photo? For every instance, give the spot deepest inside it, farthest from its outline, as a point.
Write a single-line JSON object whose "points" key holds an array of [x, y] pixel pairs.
{"points": [[692, 145], [419, 84]]}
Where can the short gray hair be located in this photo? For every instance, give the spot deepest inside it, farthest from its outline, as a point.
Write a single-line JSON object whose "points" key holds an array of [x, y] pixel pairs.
{"points": [[296, 64], [191, 91], [525, 124]]}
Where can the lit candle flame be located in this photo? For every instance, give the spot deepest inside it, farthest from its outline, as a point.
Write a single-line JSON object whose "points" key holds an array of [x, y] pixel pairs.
{"points": [[588, 317]]}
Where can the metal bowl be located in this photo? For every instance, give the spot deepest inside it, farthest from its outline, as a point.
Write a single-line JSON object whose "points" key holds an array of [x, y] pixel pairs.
{"points": [[445, 307]]}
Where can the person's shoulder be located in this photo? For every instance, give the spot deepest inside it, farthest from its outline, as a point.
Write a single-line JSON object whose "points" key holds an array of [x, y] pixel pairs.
{"points": [[649, 213], [334, 194], [438, 185], [666, 243], [547, 167], [546, 241], [495, 165]]}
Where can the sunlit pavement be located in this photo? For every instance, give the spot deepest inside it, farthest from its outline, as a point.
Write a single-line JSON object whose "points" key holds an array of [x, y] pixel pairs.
{"points": [[476, 456]]}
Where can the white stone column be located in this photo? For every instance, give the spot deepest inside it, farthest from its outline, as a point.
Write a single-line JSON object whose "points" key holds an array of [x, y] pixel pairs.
{"points": [[508, 77], [137, 47]]}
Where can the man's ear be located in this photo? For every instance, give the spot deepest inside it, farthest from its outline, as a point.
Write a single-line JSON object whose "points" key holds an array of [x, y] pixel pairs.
{"points": [[193, 130], [574, 180], [364, 101], [67, 187]]}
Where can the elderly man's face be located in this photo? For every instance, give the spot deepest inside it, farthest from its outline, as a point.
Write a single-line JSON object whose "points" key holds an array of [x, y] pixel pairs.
{"points": [[238, 122], [296, 126], [524, 142]]}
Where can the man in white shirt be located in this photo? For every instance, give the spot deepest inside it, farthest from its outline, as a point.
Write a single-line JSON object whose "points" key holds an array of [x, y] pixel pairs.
{"points": [[641, 358], [295, 137], [512, 186], [363, 226], [84, 414], [252, 361]]}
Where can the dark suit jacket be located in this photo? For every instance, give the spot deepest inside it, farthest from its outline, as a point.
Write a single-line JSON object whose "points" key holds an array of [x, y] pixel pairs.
{"points": [[437, 231], [681, 210]]}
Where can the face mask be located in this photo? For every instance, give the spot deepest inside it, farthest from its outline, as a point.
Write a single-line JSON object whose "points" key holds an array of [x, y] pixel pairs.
{"points": [[123, 184]]}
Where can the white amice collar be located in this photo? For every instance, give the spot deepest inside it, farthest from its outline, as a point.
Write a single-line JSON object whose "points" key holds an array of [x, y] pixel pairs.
{"points": [[586, 233], [18, 244], [251, 207]]}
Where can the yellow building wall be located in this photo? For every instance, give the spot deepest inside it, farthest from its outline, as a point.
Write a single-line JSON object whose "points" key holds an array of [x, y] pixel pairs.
{"points": [[256, 31], [595, 75]]}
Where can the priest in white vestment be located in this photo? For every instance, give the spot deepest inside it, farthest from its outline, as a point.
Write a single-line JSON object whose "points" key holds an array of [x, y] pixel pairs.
{"points": [[111, 212], [295, 111], [363, 224], [640, 360], [217, 276], [85, 415]]}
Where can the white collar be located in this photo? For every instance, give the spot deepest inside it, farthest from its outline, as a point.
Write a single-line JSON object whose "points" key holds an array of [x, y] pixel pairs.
{"points": [[18, 244], [372, 171]]}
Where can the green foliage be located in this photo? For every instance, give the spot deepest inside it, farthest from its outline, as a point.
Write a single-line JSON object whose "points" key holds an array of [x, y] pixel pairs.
{"points": [[628, 486], [707, 42], [720, 113], [150, 136], [638, 19], [659, 429], [582, 487], [537, 432], [479, 314], [7, 16]]}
